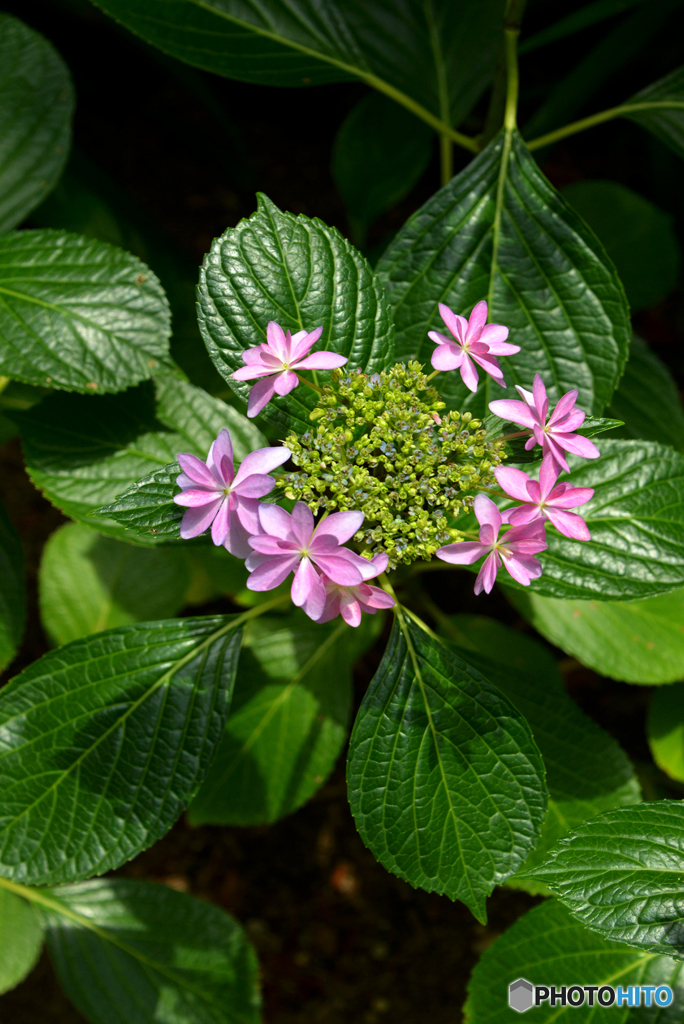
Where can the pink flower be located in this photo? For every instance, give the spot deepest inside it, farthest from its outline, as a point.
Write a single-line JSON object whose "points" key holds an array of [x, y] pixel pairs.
{"points": [[545, 499], [476, 342], [291, 542], [514, 549], [218, 496], [555, 435], [277, 361], [349, 602]]}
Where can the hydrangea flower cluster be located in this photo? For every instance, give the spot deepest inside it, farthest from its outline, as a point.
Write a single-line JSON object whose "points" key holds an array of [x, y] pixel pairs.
{"points": [[387, 469]]}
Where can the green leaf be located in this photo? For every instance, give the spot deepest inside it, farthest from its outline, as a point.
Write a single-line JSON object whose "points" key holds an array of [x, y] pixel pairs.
{"points": [[434, 57], [88, 583], [12, 595], [515, 447], [665, 729], [636, 518], [103, 741], [546, 947], [22, 939], [84, 452], [638, 237], [587, 772], [288, 721], [36, 107], [550, 281], [635, 641], [146, 509], [79, 314], [647, 400], [662, 120], [445, 781], [588, 14], [302, 274], [621, 875], [130, 952], [379, 153]]}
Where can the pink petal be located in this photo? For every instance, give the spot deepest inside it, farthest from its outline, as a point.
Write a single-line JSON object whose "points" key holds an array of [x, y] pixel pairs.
{"points": [[195, 499], [522, 570], [549, 447], [468, 371], [340, 525], [464, 552], [253, 356], [566, 496], [564, 407], [259, 396], [521, 515], [197, 470], [458, 325], [350, 608], [302, 523], [247, 510], [541, 402], [265, 460], [486, 577], [219, 528], [196, 520], [548, 474], [332, 606], [476, 321], [271, 572], [275, 521], [221, 447], [578, 445], [267, 545], [569, 524], [567, 424], [487, 513], [490, 365], [285, 382], [307, 583], [513, 482], [340, 569], [528, 539], [302, 342], [441, 339], [252, 372], [447, 357], [255, 486], [515, 412], [376, 565], [237, 540], [376, 599], [322, 361], [494, 334], [277, 341]]}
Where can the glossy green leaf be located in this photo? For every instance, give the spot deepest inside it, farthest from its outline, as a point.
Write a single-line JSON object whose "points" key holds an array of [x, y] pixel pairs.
{"points": [[637, 235], [83, 452], [547, 947], [587, 15], [587, 772], [635, 641], [102, 743], [88, 583], [663, 120], [379, 153], [621, 875], [636, 518], [12, 595], [302, 274], [36, 106], [550, 281], [445, 780], [129, 952], [146, 509], [665, 729], [78, 314], [288, 721], [435, 57], [22, 939], [515, 447], [647, 400]]}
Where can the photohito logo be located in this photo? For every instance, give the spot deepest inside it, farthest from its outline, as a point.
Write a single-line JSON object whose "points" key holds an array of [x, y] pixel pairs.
{"points": [[523, 995]]}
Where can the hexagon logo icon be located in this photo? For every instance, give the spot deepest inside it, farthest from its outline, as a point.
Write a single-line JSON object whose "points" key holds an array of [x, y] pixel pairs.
{"points": [[520, 995]]}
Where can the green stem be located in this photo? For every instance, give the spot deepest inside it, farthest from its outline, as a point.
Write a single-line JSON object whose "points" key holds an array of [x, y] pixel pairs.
{"points": [[511, 33], [303, 380], [510, 437], [446, 158], [433, 375], [605, 115]]}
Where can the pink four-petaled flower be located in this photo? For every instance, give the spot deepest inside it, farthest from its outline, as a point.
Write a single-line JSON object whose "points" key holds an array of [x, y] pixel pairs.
{"points": [[556, 437], [545, 499], [515, 548], [277, 361], [216, 495], [350, 602], [476, 341], [291, 541]]}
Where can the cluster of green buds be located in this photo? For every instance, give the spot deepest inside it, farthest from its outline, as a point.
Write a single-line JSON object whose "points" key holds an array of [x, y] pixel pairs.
{"points": [[384, 444]]}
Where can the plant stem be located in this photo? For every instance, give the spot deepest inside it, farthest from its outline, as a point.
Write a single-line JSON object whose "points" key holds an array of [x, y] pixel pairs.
{"points": [[433, 375], [510, 437], [605, 115], [446, 158], [310, 384]]}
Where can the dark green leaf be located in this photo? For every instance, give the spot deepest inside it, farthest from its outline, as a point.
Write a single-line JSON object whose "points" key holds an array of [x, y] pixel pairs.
{"points": [[587, 772], [435, 57], [665, 729], [635, 641], [88, 583], [647, 400], [515, 447], [146, 509], [546, 947], [445, 781], [588, 14], [302, 274], [131, 952], [22, 939], [36, 106], [550, 283], [379, 154], [12, 596], [288, 721], [103, 741], [663, 120], [637, 235], [621, 874], [79, 314], [84, 452]]}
